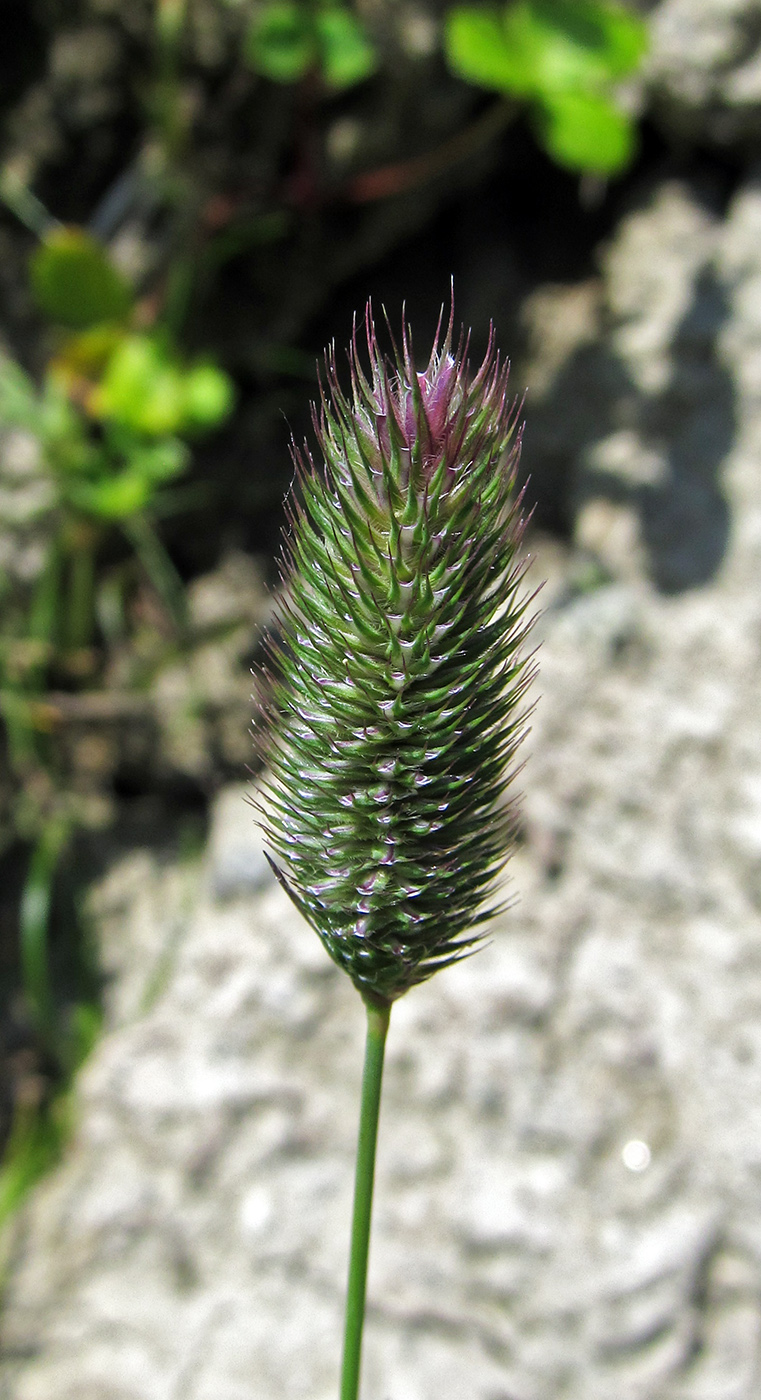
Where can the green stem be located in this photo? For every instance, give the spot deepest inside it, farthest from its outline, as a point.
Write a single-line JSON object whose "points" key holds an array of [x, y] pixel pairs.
{"points": [[377, 1026], [43, 618], [81, 594], [159, 567], [170, 120], [29, 210], [34, 927]]}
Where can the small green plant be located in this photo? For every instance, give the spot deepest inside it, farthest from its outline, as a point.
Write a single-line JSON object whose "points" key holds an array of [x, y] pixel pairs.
{"points": [[34, 1146], [114, 417], [41, 1123], [113, 421], [42, 1111], [287, 39], [562, 57], [393, 701], [74, 281], [110, 445]]}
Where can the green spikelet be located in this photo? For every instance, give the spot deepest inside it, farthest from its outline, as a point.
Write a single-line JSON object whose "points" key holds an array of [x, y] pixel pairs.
{"points": [[392, 705]]}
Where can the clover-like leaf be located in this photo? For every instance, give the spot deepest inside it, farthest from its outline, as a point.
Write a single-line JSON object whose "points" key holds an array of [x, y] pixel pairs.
{"points": [[146, 388], [280, 43], [585, 131], [288, 37], [75, 282], [532, 47], [113, 498], [347, 56], [208, 396], [562, 56]]}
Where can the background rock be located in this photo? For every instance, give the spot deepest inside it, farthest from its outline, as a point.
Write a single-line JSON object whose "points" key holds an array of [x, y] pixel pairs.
{"points": [[567, 1194], [704, 69], [631, 426]]}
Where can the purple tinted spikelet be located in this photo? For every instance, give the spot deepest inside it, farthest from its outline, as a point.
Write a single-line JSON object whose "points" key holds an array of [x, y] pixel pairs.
{"points": [[393, 701]]}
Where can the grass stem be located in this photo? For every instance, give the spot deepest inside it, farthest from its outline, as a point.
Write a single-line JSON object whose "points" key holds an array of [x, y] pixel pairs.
{"points": [[377, 1025]]}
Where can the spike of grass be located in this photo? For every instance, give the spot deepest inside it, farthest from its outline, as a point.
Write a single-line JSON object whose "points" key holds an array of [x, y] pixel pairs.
{"points": [[393, 700]]}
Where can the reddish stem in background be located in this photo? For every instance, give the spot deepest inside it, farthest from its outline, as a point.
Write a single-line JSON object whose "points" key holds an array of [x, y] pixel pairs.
{"points": [[404, 175]]}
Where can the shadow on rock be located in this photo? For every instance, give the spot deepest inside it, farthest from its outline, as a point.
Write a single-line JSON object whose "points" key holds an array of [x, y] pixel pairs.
{"points": [[651, 456], [685, 517]]}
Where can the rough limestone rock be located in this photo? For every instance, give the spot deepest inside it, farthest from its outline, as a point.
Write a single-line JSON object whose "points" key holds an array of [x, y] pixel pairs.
{"points": [[703, 74], [633, 404], [568, 1202]]}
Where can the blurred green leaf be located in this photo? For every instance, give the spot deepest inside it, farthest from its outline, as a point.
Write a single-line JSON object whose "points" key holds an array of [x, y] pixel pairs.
{"points": [[35, 1145], [208, 396], [158, 565], [83, 354], [43, 613], [575, 43], [537, 46], [34, 917], [59, 423], [74, 281], [118, 496], [585, 132], [280, 43], [159, 462], [477, 49], [288, 37], [19, 401], [347, 55], [141, 388], [619, 36], [85, 1025], [147, 390], [114, 499], [564, 56]]}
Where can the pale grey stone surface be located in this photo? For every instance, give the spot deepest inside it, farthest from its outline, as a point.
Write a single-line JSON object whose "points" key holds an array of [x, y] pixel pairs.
{"points": [[703, 73], [26, 500], [568, 1203]]}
